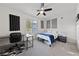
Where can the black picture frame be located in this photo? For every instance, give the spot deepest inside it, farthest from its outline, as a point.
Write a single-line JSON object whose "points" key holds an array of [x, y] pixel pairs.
{"points": [[14, 22]]}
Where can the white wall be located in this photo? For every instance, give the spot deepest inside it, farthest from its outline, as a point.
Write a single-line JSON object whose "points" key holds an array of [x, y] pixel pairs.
{"points": [[77, 27], [67, 25], [4, 20]]}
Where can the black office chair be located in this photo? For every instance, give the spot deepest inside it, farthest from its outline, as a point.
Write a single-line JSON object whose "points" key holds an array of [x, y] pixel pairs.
{"points": [[15, 46], [14, 39]]}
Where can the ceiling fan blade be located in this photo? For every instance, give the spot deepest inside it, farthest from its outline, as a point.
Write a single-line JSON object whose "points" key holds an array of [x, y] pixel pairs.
{"points": [[49, 9], [44, 14], [38, 14]]}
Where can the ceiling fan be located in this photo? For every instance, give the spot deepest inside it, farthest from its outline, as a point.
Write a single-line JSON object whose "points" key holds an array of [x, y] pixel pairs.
{"points": [[42, 10]]}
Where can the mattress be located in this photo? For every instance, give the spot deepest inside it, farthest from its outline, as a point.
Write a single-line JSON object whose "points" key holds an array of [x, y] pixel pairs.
{"points": [[46, 36]]}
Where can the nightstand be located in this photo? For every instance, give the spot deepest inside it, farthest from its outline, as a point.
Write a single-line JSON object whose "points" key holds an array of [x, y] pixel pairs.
{"points": [[62, 39]]}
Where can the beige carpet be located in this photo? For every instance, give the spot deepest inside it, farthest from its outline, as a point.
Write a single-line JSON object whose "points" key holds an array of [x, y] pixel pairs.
{"points": [[57, 49]]}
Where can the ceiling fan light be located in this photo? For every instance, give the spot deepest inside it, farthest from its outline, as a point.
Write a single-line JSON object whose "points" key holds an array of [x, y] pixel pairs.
{"points": [[42, 8], [41, 12]]}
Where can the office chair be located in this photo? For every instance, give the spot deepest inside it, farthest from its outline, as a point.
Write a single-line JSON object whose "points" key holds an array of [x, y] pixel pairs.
{"points": [[14, 39], [16, 45]]}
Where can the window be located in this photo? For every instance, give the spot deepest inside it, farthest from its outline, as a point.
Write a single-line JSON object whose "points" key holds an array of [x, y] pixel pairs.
{"points": [[14, 22], [54, 23], [48, 24], [42, 24], [34, 26]]}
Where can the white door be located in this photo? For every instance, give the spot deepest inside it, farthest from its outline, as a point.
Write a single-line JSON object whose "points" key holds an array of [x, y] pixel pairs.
{"points": [[77, 34]]}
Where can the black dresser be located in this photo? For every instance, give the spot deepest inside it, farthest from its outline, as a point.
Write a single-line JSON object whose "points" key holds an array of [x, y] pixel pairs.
{"points": [[62, 39]]}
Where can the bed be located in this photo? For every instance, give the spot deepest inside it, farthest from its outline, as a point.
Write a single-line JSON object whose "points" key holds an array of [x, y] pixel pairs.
{"points": [[48, 37]]}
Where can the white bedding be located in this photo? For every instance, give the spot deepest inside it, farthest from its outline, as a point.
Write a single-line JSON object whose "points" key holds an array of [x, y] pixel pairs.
{"points": [[46, 37]]}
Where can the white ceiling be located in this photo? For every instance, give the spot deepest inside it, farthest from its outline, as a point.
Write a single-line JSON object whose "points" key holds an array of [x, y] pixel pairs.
{"points": [[31, 8]]}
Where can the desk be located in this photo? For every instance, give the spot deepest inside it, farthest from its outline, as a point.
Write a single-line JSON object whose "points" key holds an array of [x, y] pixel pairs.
{"points": [[3, 37], [27, 39]]}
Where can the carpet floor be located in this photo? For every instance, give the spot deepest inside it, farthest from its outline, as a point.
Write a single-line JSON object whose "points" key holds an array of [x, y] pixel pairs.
{"points": [[57, 49]]}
